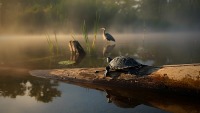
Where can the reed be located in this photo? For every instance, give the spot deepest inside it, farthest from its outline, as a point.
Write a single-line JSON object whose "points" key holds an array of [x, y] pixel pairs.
{"points": [[96, 27], [72, 36], [84, 31], [85, 35], [96, 24], [52, 45], [56, 43]]}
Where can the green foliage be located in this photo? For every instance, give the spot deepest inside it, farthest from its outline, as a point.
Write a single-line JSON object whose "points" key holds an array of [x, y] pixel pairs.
{"points": [[96, 24], [85, 32], [52, 45], [57, 14], [66, 62], [96, 28], [85, 36], [56, 44]]}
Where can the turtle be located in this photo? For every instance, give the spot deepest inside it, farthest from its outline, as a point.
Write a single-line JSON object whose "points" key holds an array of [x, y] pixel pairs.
{"points": [[124, 63]]}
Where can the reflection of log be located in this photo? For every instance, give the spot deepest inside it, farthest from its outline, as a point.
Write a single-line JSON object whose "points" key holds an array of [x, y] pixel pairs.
{"points": [[77, 57], [180, 79], [75, 47], [131, 98]]}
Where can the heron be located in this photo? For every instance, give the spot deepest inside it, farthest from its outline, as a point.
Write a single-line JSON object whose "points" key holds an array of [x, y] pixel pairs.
{"points": [[107, 36]]}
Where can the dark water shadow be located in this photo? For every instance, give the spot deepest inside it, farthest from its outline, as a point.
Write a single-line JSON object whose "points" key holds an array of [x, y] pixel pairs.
{"points": [[17, 82], [121, 101], [124, 98]]}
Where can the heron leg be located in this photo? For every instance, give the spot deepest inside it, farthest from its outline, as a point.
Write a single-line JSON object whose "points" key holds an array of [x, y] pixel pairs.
{"points": [[107, 71]]}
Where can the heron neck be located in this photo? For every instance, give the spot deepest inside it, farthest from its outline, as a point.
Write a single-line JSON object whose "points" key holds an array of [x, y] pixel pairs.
{"points": [[104, 35], [104, 31]]}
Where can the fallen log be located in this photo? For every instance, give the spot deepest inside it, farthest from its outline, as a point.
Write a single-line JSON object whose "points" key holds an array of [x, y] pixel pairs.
{"points": [[180, 79]]}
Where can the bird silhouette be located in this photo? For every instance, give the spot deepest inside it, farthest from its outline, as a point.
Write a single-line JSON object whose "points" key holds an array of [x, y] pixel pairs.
{"points": [[107, 36]]}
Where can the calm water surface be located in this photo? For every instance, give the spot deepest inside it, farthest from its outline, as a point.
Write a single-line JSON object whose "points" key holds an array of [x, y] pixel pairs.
{"points": [[21, 93]]}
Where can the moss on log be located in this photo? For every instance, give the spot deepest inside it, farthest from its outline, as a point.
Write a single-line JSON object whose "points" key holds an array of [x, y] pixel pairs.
{"points": [[182, 79]]}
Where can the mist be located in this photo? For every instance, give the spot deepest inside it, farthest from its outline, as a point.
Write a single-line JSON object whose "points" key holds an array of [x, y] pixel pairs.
{"points": [[120, 16]]}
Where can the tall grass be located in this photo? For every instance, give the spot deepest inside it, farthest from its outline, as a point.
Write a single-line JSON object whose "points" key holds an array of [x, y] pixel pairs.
{"points": [[85, 32], [96, 27], [72, 36], [85, 35], [56, 43], [96, 24], [52, 44]]}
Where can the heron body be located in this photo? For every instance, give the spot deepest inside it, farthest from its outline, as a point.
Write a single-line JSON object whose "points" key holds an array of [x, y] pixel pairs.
{"points": [[107, 36]]}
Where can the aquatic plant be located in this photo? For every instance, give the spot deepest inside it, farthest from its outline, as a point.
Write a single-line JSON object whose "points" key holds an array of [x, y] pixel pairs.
{"points": [[72, 36], [52, 45], [56, 43], [85, 35], [96, 27], [66, 62], [96, 24]]}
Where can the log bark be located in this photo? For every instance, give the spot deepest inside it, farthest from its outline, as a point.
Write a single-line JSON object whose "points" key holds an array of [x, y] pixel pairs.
{"points": [[180, 79]]}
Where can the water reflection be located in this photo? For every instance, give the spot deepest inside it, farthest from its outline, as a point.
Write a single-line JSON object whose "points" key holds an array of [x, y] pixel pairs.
{"points": [[15, 82], [44, 90], [144, 56], [108, 49], [77, 58], [121, 101], [131, 98], [143, 53]]}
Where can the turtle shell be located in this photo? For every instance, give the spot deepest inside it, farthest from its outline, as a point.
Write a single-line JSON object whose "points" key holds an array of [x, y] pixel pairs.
{"points": [[123, 62]]}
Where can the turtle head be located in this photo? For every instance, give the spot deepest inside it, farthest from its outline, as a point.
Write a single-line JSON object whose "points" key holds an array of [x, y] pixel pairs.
{"points": [[108, 59], [107, 71]]}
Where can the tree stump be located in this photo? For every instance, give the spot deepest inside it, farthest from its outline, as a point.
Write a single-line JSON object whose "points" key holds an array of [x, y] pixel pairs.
{"points": [[75, 47]]}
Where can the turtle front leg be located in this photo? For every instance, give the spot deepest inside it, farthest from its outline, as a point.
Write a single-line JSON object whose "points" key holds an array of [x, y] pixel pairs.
{"points": [[107, 71]]}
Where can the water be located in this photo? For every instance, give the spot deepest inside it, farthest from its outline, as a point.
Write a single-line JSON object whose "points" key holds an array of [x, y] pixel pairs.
{"points": [[21, 93]]}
